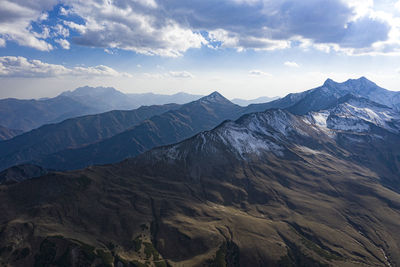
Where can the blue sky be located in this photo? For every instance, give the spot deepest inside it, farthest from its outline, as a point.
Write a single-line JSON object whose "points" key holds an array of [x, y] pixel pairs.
{"points": [[242, 48]]}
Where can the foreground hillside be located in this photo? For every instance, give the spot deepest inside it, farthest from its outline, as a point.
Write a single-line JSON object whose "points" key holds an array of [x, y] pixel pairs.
{"points": [[270, 189]]}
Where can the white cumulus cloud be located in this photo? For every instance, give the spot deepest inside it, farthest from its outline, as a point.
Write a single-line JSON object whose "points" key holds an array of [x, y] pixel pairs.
{"points": [[16, 18], [63, 43], [132, 26], [11, 66], [291, 64]]}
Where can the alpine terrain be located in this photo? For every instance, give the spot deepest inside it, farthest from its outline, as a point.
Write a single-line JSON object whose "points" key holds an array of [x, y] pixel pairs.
{"points": [[271, 188]]}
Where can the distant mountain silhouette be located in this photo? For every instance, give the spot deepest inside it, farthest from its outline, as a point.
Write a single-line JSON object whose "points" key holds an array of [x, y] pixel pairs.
{"points": [[26, 115], [244, 102], [159, 99], [29, 114], [73, 133]]}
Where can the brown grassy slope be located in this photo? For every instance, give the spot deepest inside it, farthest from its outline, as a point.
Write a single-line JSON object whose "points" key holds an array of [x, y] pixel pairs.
{"points": [[313, 210], [320, 201]]}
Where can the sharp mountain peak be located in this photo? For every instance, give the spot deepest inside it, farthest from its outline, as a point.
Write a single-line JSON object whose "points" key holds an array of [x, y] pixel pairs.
{"points": [[215, 97]]}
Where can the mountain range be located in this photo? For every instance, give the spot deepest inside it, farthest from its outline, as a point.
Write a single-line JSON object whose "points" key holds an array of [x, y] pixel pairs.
{"points": [[108, 98], [167, 128], [79, 142], [272, 188], [328, 94], [68, 145], [74, 132], [25, 115]]}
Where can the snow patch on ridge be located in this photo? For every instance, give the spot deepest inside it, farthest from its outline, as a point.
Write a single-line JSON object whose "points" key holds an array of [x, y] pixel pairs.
{"points": [[273, 123], [320, 118], [244, 141], [348, 124], [381, 116]]}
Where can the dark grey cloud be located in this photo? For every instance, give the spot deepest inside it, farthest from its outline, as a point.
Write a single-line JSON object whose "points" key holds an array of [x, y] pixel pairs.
{"points": [[327, 21], [364, 32], [321, 21]]}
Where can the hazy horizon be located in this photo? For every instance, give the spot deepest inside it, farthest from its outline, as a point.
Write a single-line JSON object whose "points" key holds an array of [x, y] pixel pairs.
{"points": [[123, 90]]}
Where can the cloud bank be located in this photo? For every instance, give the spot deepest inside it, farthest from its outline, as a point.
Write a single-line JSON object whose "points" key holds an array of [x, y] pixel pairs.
{"points": [[20, 67]]}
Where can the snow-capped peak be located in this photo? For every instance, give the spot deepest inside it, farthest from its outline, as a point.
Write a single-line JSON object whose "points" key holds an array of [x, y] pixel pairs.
{"points": [[357, 114], [91, 91]]}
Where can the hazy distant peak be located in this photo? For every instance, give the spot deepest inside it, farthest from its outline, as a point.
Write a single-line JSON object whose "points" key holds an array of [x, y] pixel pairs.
{"points": [[181, 94], [88, 90], [246, 102]]}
